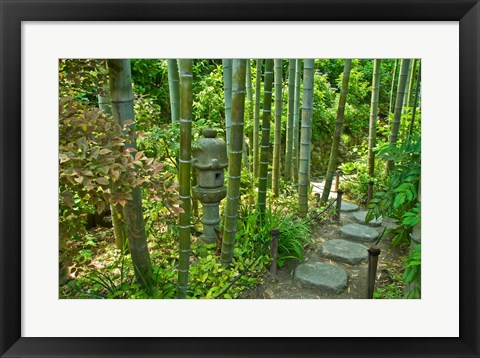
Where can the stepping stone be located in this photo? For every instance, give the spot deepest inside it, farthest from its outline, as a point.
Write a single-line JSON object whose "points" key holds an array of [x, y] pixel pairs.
{"points": [[359, 232], [361, 215], [345, 251], [347, 206], [326, 277]]}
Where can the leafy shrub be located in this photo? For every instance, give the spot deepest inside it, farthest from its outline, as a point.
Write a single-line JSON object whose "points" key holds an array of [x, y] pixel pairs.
{"points": [[294, 233], [398, 198]]}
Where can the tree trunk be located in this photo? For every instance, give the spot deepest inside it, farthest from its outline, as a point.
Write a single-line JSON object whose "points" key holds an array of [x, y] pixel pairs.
{"points": [[227, 90], [306, 137], [265, 145], [122, 108], [373, 117], [291, 100], [256, 119], [332, 163], [392, 88], [277, 133], [234, 161], [173, 86], [402, 81], [185, 156], [296, 120]]}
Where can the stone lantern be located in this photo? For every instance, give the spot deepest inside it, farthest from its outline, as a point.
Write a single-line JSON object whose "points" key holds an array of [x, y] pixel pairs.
{"points": [[210, 160]]}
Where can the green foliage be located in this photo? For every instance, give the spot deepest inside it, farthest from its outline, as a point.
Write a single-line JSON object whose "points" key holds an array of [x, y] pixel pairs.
{"points": [[209, 278], [398, 197], [96, 166], [392, 290], [357, 108], [294, 232], [82, 79], [149, 78], [208, 97], [354, 180], [412, 274]]}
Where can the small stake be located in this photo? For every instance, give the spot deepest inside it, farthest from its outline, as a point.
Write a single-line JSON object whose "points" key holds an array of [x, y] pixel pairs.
{"points": [[274, 250], [370, 191], [339, 204], [337, 180], [373, 253]]}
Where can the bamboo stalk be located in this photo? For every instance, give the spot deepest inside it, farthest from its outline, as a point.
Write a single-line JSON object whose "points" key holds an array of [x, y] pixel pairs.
{"points": [[402, 80], [186, 101], [234, 161], [372, 133], [256, 119], [265, 143], [249, 109], [122, 109], [415, 102], [296, 120], [227, 86], [291, 104], [306, 138], [173, 85], [332, 163], [394, 77], [412, 79], [406, 87], [277, 127], [118, 220]]}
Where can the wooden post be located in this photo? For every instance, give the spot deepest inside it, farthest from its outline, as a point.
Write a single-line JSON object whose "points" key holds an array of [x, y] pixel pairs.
{"points": [[373, 253], [337, 180], [370, 191], [339, 203], [274, 251]]}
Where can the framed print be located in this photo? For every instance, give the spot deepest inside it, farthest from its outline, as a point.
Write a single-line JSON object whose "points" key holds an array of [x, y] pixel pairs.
{"points": [[442, 35]]}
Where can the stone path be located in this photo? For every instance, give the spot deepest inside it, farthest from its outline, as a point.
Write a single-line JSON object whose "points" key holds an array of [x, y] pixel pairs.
{"points": [[336, 263], [350, 249]]}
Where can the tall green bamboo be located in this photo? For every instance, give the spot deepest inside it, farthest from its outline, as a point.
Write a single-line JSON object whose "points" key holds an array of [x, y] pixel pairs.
{"points": [[122, 108], [406, 86], [412, 79], [277, 133], [118, 221], [372, 133], [265, 143], [234, 160], [291, 104], [296, 119], [184, 173], [415, 101], [306, 137], [402, 82], [332, 163], [227, 90], [248, 115], [256, 118], [173, 86], [394, 77]]}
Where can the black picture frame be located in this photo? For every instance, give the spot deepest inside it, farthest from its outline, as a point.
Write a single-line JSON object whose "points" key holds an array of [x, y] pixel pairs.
{"points": [[13, 12]]}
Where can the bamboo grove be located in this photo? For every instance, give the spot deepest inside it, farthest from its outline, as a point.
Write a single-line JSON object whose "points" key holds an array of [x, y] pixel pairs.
{"points": [[130, 134]]}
